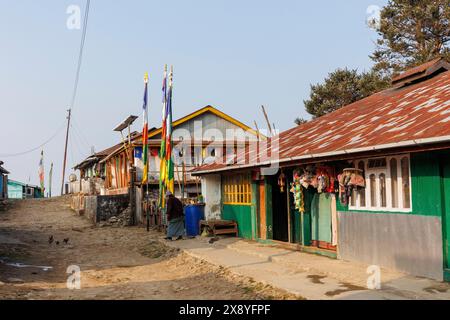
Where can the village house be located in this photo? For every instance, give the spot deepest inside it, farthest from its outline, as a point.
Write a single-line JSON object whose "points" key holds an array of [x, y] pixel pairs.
{"points": [[92, 173], [20, 190], [197, 138], [3, 182], [369, 182]]}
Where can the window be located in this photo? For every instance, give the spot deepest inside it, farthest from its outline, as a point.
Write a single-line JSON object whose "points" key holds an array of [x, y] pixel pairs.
{"points": [[382, 180], [394, 183], [405, 183], [388, 183], [377, 163], [373, 188], [362, 193], [237, 189]]}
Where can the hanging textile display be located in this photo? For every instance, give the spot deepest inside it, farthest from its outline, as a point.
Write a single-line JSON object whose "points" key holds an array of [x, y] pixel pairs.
{"points": [[296, 189], [321, 217], [325, 179], [334, 221], [281, 182], [350, 179]]}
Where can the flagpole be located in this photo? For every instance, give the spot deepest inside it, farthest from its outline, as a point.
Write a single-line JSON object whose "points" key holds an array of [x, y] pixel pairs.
{"points": [[147, 157], [42, 174], [162, 150]]}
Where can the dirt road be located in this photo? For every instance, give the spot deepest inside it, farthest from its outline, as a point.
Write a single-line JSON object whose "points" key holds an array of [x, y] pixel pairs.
{"points": [[115, 263]]}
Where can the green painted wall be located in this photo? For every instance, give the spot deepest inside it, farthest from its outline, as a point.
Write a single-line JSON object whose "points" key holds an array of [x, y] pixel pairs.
{"points": [[242, 215], [425, 184], [445, 191], [15, 190]]}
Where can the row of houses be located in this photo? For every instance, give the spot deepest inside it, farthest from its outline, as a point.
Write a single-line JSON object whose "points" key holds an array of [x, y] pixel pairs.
{"points": [[369, 182], [198, 138], [11, 189]]}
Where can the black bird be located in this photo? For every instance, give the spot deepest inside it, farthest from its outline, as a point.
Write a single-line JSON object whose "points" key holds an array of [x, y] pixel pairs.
{"points": [[66, 240], [50, 240], [212, 240], [57, 243]]}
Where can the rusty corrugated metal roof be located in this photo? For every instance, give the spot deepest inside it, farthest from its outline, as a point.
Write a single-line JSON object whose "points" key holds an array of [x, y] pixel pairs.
{"points": [[395, 117], [422, 71]]}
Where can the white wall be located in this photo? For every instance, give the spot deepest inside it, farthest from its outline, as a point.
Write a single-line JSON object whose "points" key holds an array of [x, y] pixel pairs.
{"points": [[212, 193]]}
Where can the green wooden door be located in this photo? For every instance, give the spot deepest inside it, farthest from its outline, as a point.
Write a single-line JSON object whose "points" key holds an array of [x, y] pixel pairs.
{"points": [[445, 172]]}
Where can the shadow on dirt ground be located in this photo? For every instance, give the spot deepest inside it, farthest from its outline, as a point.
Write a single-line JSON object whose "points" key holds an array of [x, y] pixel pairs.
{"points": [[40, 239]]}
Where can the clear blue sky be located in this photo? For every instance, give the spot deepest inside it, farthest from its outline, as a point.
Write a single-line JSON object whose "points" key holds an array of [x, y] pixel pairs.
{"points": [[235, 55]]}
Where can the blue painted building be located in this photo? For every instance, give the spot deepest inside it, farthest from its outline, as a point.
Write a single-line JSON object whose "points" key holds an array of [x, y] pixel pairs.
{"points": [[19, 190]]}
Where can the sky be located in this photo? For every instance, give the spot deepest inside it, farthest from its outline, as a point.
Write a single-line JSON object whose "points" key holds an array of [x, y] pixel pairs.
{"points": [[234, 55]]}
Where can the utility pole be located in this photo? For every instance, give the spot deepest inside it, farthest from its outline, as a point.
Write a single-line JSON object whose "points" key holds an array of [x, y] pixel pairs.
{"points": [[65, 150]]}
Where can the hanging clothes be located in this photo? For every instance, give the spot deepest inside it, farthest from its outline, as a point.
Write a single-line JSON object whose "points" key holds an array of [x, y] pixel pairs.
{"points": [[334, 221], [321, 217]]}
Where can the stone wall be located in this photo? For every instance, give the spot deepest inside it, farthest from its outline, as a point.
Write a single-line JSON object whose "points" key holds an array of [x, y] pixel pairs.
{"points": [[90, 208], [102, 208], [77, 204], [111, 206]]}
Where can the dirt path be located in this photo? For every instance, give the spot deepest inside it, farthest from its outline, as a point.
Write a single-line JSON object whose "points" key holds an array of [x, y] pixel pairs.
{"points": [[115, 263]]}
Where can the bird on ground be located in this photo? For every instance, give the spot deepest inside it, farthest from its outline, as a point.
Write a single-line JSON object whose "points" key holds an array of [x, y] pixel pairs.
{"points": [[212, 240], [57, 243], [50, 240], [66, 240]]}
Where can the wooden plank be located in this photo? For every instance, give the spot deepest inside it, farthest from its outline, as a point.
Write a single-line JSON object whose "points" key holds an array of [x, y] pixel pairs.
{"points": [[262, 211]]}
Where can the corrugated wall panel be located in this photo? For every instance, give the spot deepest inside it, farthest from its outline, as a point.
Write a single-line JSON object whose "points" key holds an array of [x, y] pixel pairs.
{"points": [[408, 243]]}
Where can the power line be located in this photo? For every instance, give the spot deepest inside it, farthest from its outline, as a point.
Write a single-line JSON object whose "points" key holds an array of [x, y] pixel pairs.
{"points": [[80, 54], [75, 139], [9, 155], [75, 88], [83, 138]]}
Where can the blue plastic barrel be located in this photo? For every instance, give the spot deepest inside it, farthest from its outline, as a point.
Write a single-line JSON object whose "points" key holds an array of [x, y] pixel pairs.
{"points": [[193, 214]]}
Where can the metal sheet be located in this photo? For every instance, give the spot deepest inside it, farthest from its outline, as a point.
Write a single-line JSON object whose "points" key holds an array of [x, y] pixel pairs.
{"points": [[393, 117], [403, 242]]}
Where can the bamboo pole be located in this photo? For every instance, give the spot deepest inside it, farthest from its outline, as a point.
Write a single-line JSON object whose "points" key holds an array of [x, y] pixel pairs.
{"points": [[257, 130], [267, 120]]}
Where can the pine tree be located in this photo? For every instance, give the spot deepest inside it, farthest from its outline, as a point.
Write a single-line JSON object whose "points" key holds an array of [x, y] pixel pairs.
{"points": [[412, 32], [341, 88]]}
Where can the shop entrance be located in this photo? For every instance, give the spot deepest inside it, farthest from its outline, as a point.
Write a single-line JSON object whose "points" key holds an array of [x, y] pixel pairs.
{"points": [[282, 207], [304, 201]]}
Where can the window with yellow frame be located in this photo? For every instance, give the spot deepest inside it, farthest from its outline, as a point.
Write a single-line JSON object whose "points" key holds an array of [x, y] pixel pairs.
{"points": [[236, 189]]}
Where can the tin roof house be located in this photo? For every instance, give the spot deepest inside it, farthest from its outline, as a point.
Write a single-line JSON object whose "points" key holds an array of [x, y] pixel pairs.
{"points": [[20, 190], [3, 182], [197, 138], [369, 182]]}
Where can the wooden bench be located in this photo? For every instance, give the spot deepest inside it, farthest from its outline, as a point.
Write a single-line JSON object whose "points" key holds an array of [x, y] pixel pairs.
{"points": [[219, 227]]}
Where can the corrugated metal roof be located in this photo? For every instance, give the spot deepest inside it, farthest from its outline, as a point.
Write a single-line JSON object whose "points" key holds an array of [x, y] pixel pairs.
{"points": [[422, 71], [395, 117], [3, 170]]}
